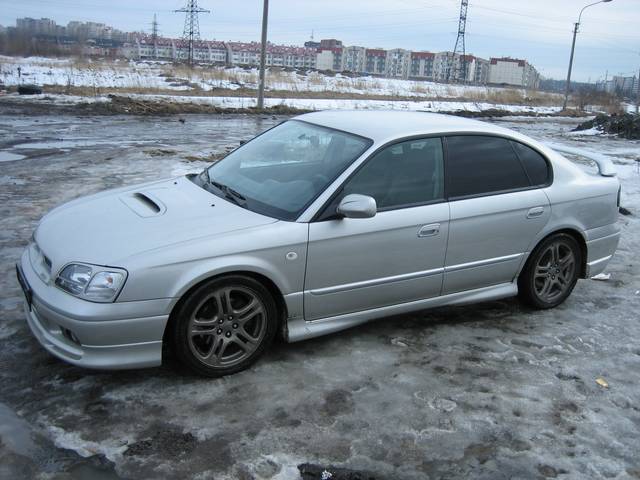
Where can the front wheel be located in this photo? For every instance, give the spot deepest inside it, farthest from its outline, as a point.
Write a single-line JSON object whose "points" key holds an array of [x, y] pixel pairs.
{"points": [[225, 325], [551, 272]]}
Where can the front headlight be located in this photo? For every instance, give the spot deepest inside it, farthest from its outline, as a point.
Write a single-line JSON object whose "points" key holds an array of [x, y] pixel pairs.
{"points": [[91, 282]]}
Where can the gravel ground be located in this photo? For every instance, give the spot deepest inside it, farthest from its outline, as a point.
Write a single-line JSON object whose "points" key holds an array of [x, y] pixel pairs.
{"points": [[485, 391]]}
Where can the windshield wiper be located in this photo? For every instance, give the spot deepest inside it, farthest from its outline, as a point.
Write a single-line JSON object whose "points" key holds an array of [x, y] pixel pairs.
{"points": [[229, 193]]}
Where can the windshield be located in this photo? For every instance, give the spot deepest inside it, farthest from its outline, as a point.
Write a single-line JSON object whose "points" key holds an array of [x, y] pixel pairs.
{"points": [[280, 172]]}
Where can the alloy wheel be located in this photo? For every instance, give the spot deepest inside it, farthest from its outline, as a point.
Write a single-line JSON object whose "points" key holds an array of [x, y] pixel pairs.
{"points": [[227, 326], [554, 272]]}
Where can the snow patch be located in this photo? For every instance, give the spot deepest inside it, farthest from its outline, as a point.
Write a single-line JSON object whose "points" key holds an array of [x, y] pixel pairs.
{"points": [[590, 131], [111, 449]]}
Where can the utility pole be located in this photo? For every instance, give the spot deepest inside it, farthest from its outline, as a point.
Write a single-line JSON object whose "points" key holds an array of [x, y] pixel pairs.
{"points": [[191, 32], [576, 26], [638, 94], [567, 86], [459, 48], [154, 36], [263, 54]]}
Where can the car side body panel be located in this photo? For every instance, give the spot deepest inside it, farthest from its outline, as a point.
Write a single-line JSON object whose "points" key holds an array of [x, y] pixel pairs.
{"points": [[490, 235], [358, 264], [279, 255]]}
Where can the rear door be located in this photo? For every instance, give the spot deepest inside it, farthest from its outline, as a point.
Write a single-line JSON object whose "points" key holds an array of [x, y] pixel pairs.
{"points": [[396, 256], [497, 207]]}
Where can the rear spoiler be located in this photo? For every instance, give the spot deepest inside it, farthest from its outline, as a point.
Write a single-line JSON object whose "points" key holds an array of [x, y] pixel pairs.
{"points": [[606, 167]]}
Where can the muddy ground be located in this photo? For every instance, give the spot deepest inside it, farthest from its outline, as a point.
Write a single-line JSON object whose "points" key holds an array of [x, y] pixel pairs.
{"points": [[486, 391]]}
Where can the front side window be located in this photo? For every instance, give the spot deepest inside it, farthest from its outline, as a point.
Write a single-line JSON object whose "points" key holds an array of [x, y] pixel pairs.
{"points": [[403, 174], [478, 165], [283, 170]]}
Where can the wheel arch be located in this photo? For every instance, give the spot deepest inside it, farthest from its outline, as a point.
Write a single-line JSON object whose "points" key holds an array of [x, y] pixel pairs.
{"points": [[577, 235], [268, 283]]}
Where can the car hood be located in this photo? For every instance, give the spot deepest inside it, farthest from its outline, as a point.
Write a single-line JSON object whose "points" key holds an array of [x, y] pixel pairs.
{"points": [[109, 227]]}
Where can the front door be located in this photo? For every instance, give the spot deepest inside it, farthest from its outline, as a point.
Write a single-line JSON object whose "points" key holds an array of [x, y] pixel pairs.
{"points": [[394, 257]]}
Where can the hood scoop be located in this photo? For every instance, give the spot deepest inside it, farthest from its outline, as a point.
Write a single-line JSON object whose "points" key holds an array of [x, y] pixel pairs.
{"points": [[144, 204]]}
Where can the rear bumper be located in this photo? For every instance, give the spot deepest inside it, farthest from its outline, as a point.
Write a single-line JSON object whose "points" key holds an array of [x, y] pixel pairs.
{"points": [[94, 335], [601, 246]]}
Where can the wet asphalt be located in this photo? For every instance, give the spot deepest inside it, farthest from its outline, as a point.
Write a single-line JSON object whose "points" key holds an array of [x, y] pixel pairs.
{"points": [[491, 391]]}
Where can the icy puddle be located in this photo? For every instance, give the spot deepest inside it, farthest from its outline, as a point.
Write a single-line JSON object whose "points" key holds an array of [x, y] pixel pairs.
{"points": [[10, 157]]}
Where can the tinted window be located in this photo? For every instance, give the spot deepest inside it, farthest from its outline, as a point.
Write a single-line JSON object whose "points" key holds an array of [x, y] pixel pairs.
{"points": [[403, 174], [534, 163], [479, 165]]}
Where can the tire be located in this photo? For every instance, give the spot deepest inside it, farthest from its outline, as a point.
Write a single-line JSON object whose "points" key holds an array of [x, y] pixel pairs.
{"points": [[224, 325], [551, 272]]}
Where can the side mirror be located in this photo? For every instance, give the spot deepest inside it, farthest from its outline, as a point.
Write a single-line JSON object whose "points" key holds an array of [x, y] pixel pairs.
{"points": [[357, 206]]}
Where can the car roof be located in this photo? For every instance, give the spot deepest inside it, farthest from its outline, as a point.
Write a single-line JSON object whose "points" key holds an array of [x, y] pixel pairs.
{"points": [[382, 126]]}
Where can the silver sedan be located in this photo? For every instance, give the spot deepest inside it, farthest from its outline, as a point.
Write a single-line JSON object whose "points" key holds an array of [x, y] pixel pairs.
{"points": [[326, 221]]}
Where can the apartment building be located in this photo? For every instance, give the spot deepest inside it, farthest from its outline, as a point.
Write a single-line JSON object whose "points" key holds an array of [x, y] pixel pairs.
{"points": [[421, 67], [243, 53], [330, 55], [45, 27], [354, 59], [375, 61], [398, 63], [514, 72], [477, 70], [290, 56], [92, 38], [204, 51], [146, 48], [231, 53], [162, 48], [441, 66], [42, 26]]}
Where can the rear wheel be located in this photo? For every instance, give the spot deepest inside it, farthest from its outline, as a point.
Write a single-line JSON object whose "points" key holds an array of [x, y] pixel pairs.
{"points": [[225, 325], [551, 272]]}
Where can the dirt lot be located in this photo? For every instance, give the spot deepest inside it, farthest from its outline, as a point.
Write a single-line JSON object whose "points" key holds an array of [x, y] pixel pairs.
{"points": [[486, 391]]}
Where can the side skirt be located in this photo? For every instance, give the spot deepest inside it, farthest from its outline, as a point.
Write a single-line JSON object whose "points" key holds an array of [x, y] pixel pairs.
{"points": [[299, 329]]}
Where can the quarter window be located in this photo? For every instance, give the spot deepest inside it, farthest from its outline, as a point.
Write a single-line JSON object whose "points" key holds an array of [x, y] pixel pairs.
{"points": [[534, 163], [479, 165], [403, 174]]}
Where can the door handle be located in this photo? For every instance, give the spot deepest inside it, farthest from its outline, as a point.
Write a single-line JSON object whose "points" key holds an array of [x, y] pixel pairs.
{"points": [[535, 212], [429, 230]]}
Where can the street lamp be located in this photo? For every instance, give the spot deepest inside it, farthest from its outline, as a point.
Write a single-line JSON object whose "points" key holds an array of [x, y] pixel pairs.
{"points": [[573, 46]]}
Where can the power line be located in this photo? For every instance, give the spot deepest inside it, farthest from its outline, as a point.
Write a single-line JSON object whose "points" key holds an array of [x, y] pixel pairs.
{"points": [[454, 69], [154, 35], [191, 33]]}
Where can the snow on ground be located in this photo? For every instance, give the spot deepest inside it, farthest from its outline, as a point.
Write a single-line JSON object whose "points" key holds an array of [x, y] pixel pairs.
{"points": [[346, 104], [165, 76], [298, 103], [587, 132]]}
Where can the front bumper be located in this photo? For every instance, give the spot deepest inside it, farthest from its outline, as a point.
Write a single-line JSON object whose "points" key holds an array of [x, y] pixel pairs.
{"points": [[117, 335]]}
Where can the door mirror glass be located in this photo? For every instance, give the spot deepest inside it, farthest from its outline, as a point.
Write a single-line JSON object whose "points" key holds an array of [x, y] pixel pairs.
{"points": [[357, 206]]}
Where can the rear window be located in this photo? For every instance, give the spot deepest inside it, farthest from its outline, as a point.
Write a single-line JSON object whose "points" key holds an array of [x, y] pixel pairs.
{"points": [[535, 165], [479, 165]]}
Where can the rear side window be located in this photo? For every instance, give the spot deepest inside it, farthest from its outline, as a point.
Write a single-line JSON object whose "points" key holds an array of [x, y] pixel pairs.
{"points": [[534, 163], [479, 165]]}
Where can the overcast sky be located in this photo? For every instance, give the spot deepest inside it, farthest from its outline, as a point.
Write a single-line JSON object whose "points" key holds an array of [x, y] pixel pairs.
{"points": [[538, 30]]}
